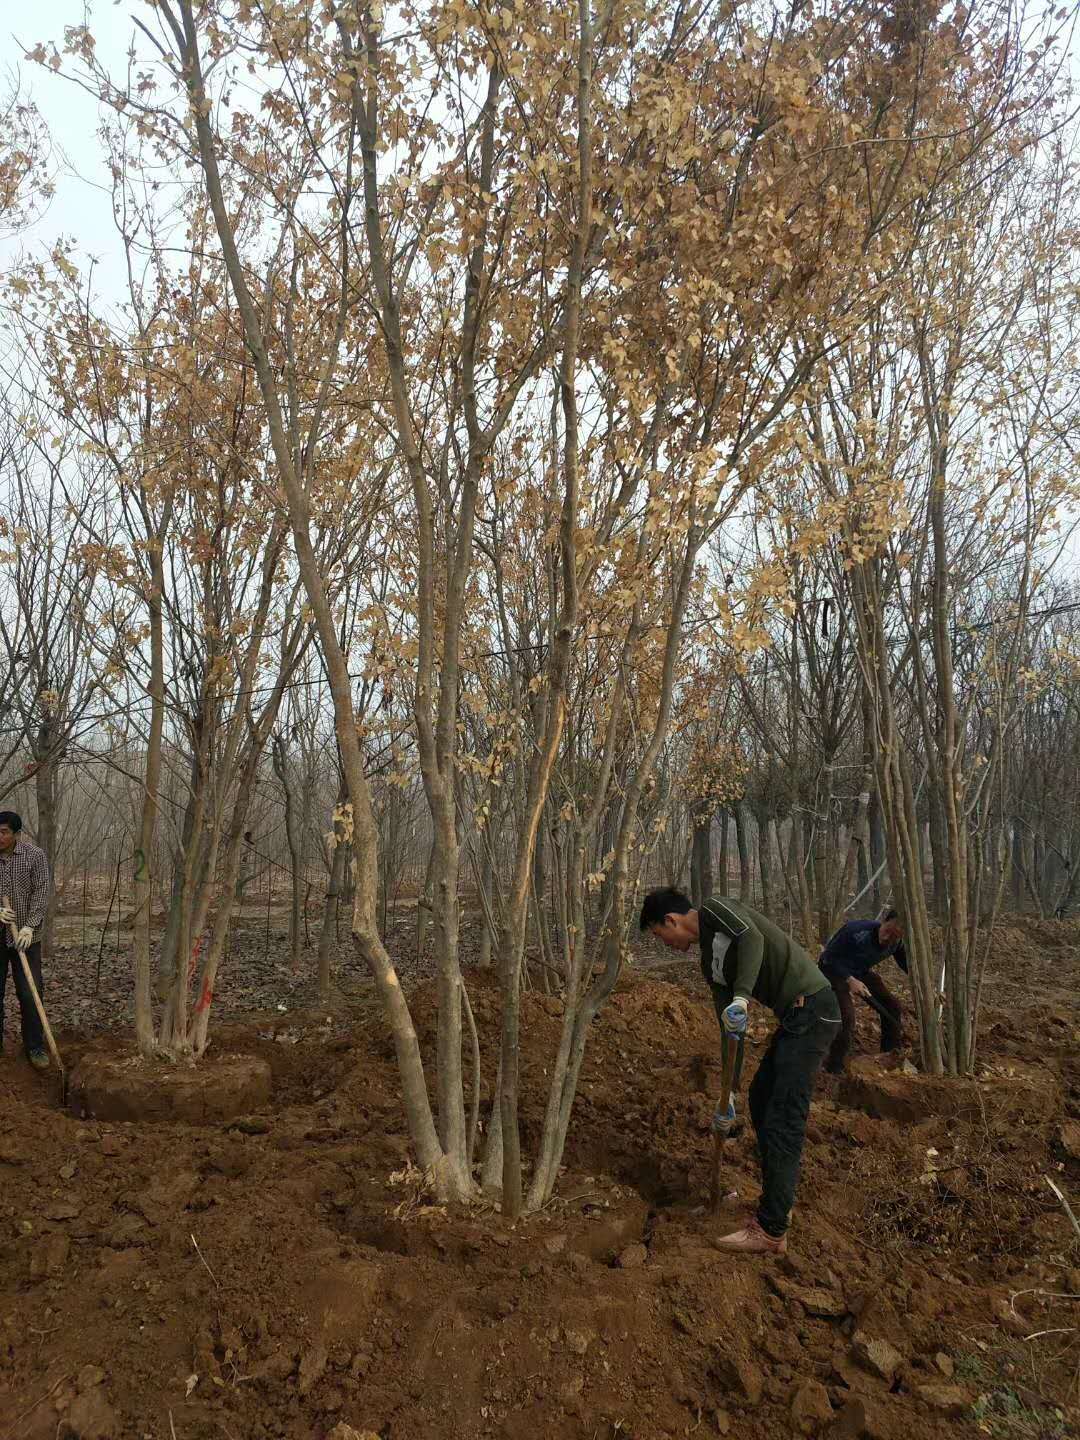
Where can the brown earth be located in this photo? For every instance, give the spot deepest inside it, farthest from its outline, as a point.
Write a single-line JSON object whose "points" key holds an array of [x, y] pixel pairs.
{"points": [[121, 1087], [282, 1274]]}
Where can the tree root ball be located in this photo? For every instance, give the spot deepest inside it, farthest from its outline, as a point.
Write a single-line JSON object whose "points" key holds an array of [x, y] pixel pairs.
{"points": [[126, 1087]]}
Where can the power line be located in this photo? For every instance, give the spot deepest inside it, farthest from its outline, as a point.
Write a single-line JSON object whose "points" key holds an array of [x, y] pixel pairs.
{"points": [[1031, 615]]}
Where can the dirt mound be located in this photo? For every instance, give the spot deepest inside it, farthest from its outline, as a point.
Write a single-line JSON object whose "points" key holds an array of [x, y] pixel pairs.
{"points": [[119, 1087], [1000, 1096], [283, 1274]]}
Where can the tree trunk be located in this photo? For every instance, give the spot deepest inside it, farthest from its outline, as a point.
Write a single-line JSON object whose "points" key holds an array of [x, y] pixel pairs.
{"points": [[328, 929], [486, 887], [862, 870], [1047, 872], [542, 762], [206, 980], [765, 869], [827, 862], [744, 853], [541, 907], [423, 906], [948, 771], [144, 854], [897, 803], [939, 853], [701, 874], [491, 1165], [852, 869], [722, 853], [578, 1014], [800, 825], [1017, 853], [453, 1132], [45, 789], [170, 941], [608, 829], [448, 1181], [194, 896], [878, 853], [281, 770]]}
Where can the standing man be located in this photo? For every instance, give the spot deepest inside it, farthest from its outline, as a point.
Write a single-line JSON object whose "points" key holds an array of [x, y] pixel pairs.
{"points": [[24, 882], [745, 957], [848, 962]]}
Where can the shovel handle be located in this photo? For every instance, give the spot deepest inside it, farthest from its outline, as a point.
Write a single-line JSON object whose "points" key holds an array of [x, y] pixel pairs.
{"points": [[32, 987], [877, 1005], [728, 1052]]}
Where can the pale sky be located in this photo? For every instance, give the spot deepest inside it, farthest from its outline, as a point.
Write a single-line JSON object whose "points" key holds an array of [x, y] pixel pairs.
{"points": [[81, 209]]}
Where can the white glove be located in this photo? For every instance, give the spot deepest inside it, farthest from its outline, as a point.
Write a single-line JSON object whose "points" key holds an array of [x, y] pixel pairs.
{"points": [[7, 915], [25, 938], [723, 1121], [734, 1017]]}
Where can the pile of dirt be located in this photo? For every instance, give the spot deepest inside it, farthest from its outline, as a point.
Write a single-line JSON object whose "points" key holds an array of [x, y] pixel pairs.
{"points": [[120, 1087], [282, 1274]]}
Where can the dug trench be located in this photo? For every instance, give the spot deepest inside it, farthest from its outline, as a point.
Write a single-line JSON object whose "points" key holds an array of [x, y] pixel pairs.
{"points": [[281, 1273]]}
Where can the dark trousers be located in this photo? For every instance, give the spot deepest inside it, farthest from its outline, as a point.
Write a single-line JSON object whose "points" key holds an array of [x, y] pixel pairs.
{"points": [[33, 1037], [891, 1033], [780, 1096]]}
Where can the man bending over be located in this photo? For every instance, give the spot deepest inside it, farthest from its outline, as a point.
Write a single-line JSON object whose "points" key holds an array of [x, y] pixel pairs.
{"points": [[848, 962], [745, 957]]}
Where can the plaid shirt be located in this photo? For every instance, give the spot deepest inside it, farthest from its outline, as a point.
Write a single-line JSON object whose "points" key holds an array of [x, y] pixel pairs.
{"points": [[24, 880]]}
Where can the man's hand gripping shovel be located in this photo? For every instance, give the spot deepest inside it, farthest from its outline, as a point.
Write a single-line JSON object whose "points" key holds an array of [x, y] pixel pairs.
{"points": [[28, 976], [724, 1116]]}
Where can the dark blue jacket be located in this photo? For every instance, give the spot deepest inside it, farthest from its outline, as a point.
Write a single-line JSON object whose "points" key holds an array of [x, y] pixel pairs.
{"points": [[854, 950]]}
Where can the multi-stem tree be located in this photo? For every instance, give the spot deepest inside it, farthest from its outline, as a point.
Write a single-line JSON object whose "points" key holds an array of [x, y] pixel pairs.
{"points": [[52, 688], [951, 416], [634, 230]]}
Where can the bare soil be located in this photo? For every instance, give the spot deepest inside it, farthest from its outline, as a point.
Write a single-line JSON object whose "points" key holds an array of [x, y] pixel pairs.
{"points": [[120, 1087], [282, 1274]]}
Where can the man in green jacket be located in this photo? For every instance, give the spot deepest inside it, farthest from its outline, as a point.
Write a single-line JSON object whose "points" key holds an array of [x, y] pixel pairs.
{"points": [[745, 957]]}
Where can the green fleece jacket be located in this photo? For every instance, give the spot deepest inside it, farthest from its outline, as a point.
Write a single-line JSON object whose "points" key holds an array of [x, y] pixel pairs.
{"points": [[760, 961]]}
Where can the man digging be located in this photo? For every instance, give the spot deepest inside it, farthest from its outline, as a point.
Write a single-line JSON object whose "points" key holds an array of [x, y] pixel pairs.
{"points": [[745, 957], [24, 881], [847, 962]]}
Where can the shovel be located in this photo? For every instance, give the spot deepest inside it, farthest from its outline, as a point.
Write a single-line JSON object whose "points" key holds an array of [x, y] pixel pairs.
{"points": [[729, 1050], [39, 1007], [877, 1005]]}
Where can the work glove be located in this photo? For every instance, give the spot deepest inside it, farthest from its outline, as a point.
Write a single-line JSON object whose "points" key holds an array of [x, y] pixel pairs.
{"points": [[723, 1121], [734, 1017], [7, 915], [25, 938]]}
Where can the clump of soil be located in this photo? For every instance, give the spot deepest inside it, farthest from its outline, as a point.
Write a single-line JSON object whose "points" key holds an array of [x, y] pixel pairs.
{"points": [[282, 1274], [125, 1087]]}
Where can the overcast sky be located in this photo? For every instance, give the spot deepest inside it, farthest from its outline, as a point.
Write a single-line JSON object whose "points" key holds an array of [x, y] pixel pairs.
{"points": [[81, 209]]}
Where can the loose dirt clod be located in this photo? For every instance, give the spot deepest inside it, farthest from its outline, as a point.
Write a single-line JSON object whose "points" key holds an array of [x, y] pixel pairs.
{"points": [[877, 1356], [947, 1400], [633, 1257], [811, 1409]]}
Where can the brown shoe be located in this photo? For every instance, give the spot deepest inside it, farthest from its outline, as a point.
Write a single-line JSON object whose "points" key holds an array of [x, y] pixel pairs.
{"points": [[753, 1240], [38, 1059]]}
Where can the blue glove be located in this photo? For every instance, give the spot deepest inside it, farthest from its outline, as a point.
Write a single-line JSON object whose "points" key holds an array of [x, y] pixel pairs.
{"points": [[734, 1017], [723, 1121]]}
